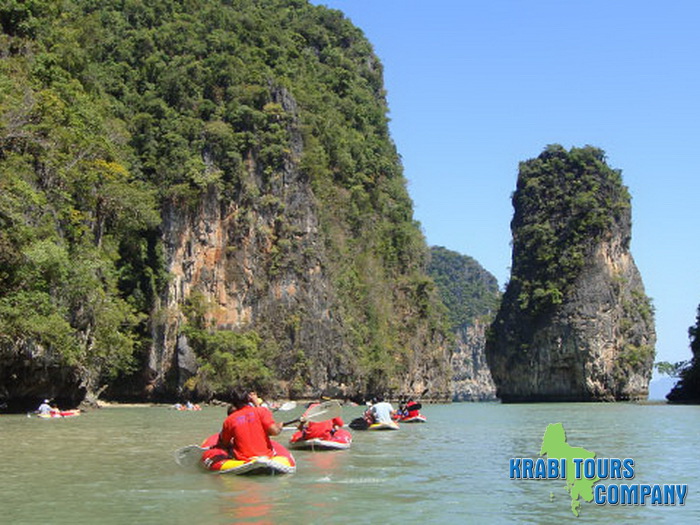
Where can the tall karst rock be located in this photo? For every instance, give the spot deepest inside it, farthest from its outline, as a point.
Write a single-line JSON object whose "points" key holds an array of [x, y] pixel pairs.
{"points": [[471, 296], [302, 237], [200, 194], [575, 323], [305, 239]]}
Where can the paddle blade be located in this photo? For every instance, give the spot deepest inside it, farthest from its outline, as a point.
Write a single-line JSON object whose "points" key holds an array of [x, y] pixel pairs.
{"points": [[322, 412], [189, 456]]}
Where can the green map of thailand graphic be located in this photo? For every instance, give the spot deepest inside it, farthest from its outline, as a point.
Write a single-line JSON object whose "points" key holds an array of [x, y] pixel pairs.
{"points": [[554, 445]]}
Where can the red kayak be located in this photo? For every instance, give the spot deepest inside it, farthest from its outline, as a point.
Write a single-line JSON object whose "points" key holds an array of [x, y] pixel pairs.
{"points": [[60, 413], [419, 418], [219, 460], [339, 440], [410, 413]]}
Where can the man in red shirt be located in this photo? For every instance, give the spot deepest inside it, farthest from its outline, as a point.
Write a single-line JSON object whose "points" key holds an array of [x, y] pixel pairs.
{"points": [[247, 430]]}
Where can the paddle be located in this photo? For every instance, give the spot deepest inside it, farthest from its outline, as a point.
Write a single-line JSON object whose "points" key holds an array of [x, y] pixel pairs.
{"points": [[289, 405], [328, 410], [321, 412], [184, 456]]}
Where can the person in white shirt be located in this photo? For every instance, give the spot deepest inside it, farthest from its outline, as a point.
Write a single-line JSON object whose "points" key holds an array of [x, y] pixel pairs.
{"points": [[44, 408], [382, 411]]}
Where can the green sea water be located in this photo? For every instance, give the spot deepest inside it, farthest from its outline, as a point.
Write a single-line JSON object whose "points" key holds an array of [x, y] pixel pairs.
{"points": [[115, 466]]}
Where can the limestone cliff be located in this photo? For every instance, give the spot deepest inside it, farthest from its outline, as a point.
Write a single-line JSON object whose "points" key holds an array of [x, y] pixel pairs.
{"points": [[33, 374], [200, 194], [253, 276], [471, 376], [575, 323], [278, 282], [471, 297]]}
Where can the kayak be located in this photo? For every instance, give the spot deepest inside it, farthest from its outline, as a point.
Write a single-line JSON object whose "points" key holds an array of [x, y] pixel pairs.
{"points": [[409, 413], [391, 425], [420, 418], [360, 423], [184, 408], [340, 440], [218, 460], [60, 413]]}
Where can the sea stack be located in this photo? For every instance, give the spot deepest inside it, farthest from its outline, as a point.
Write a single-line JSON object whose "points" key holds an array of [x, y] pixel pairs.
{"points": [[575, 323]]}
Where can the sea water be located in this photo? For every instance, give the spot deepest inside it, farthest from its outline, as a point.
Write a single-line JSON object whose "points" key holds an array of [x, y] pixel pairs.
{"points": [[115, 465]]}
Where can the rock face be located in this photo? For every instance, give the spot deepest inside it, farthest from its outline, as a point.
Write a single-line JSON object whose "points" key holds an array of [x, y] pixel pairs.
{"points": [[471, 296], [230, 253], [586, 333], [33, 374], [471, 376], [255, 275]]}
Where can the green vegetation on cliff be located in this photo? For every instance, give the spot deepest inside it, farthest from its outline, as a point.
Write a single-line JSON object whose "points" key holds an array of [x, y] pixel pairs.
{"points": [[565, 202], [78, 259], [111, 110], [467, 290]]}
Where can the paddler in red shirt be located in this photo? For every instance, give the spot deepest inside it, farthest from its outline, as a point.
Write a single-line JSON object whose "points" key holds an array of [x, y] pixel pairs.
{"points": [[247, 430], [320, 430]]}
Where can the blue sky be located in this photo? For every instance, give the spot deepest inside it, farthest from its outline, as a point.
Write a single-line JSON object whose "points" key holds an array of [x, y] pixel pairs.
{"points": [[475, 87]]}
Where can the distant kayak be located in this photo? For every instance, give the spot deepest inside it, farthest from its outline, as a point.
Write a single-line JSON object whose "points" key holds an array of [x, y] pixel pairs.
{"points": [[59, 414], [218, 460], [410, 413], [185, 408]]}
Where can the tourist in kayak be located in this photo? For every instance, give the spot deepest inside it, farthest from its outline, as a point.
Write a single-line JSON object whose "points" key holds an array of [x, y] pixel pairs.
{"points": [[257, 401], [321, 430], [381, 411], [247, 429], [45, 408], [410, 409]]}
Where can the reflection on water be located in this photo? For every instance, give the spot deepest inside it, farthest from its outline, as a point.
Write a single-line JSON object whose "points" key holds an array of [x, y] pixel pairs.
{"points": [[115, 466], [246, 502]]}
